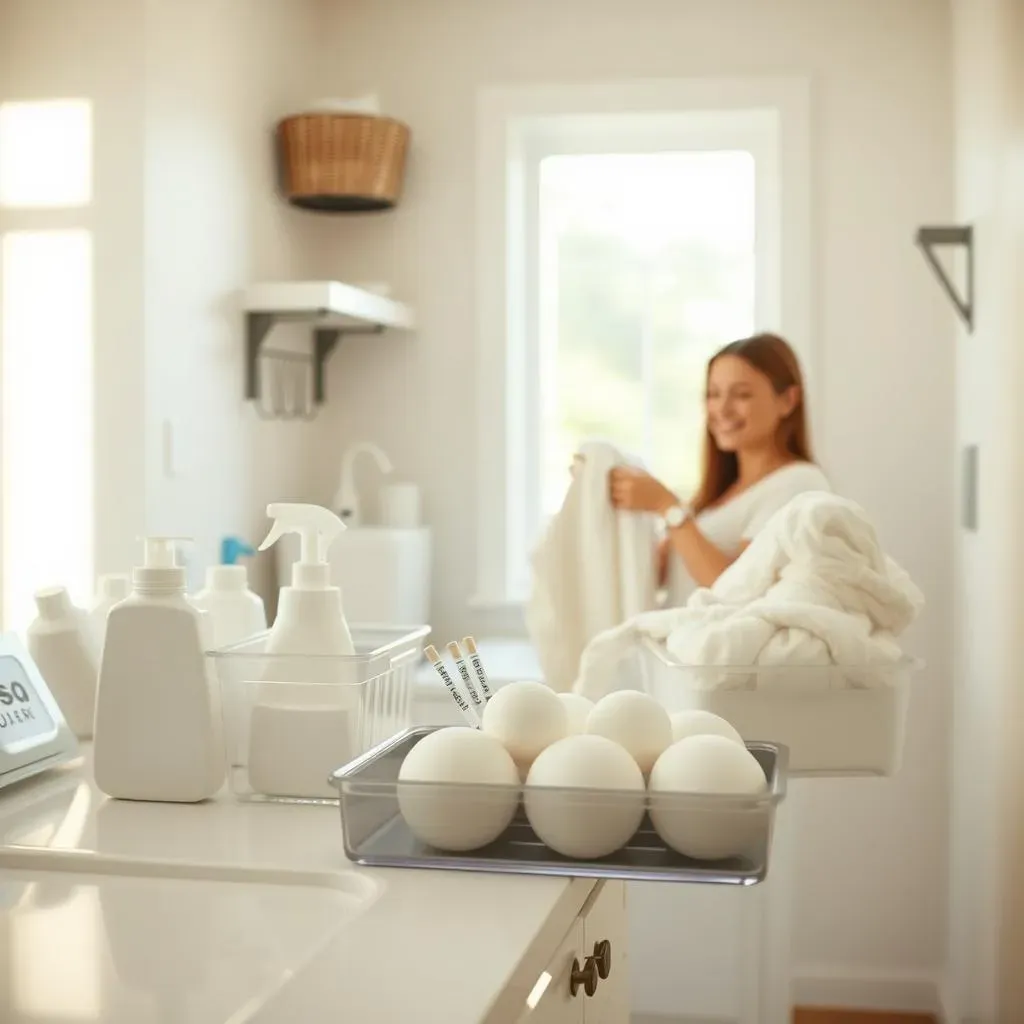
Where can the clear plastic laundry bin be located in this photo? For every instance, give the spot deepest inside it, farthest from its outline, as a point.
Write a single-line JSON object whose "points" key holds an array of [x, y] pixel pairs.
{"points": [[835, 720], [289, 720]]}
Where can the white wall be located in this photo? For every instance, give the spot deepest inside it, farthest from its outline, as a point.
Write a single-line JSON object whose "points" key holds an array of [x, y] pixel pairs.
{"points": [[986, 894], [185, 97], [213, 223], [872, 866]]}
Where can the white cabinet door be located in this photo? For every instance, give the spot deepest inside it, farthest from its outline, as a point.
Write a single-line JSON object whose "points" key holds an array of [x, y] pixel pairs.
{"points": [[551, 1000], [605, 938]]}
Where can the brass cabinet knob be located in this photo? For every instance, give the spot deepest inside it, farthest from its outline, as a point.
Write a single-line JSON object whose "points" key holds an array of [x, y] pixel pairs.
{"points": [[584, 977], [603, 958]]}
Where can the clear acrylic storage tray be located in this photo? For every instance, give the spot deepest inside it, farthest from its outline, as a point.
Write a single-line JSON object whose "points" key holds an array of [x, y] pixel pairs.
{"points": [[835, 720], [289, 720], [376, 834]]}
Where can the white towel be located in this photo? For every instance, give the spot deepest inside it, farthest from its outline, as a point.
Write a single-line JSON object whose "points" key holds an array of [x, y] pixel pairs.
{"points": [[593, 569], [813, 588]]}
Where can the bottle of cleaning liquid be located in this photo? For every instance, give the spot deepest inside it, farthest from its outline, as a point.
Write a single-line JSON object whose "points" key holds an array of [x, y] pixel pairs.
{"points": [[113, 587], [306, 712], [158, 725], [61, 645], [237, 612]]}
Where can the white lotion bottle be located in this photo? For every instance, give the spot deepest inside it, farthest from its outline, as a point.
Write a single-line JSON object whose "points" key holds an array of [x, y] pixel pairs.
{"points": [[158, 727], [306, 713], [113, 587], [237, 612], [61, 644]]}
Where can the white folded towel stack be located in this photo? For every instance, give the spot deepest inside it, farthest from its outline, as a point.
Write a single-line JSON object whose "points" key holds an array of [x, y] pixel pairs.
{"points": [[593, 569], [814, 588]]}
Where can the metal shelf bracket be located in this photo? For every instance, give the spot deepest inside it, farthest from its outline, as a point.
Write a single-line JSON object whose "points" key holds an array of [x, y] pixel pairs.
{"points": [[927, 239], [325, 339]]}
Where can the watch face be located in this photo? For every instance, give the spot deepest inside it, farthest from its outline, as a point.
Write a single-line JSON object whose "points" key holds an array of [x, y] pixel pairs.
{"points": [[675, 516]]}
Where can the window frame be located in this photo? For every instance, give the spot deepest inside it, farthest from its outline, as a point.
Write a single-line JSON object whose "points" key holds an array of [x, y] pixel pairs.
{"points": [[517, 129]]}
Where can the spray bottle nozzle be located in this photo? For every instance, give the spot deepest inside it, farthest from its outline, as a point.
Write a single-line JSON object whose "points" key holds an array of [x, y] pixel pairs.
{"points": [[317, 528]]}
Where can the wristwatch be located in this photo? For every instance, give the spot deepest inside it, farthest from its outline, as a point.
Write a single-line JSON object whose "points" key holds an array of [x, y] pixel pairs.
{"points": [[675, 515]]}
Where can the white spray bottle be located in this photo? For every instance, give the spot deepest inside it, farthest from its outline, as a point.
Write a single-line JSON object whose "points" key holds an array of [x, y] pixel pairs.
{"points": [[310, 618], [305, 714]]}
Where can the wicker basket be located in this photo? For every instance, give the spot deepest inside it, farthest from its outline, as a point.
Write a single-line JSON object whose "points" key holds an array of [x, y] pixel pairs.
{"points": [[342, 163]]}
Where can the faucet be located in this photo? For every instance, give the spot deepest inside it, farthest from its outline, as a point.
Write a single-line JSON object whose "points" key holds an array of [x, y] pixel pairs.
{"points": [[346, 500]]}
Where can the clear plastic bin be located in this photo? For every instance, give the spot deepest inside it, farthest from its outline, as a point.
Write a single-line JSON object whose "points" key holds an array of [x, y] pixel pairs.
{"points": [[290, 720], [835, 720], [374, 805]]}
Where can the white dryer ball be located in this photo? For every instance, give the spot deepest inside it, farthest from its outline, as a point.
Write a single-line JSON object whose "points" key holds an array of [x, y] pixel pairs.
{"points": [[584, 826], [702, 723], [579, 709], [525, 718], [451, 816], [705, 765], [634, 721]]}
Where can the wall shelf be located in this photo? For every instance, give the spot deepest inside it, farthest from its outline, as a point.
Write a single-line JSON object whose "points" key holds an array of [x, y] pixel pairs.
{"points": [[961, 236], [330, 308]]}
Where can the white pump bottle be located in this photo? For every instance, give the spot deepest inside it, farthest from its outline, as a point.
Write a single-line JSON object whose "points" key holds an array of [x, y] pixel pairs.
{"points": [[158, 725], [310, 617]]}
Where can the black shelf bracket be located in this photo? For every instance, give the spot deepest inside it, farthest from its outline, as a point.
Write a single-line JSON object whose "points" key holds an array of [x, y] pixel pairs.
{"points": [[325, 339], [927, 239]]}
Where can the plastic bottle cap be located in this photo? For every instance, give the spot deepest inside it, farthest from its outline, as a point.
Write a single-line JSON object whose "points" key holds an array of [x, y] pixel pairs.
{"points": [[53, 603], [226, 577], [160, 572]]}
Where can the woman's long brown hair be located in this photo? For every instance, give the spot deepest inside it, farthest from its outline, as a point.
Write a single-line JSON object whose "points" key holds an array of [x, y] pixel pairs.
{"points": [[774, 357]]}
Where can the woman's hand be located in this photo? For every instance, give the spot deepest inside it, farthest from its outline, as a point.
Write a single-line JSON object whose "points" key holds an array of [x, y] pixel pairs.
{"points": [[637, 491]]}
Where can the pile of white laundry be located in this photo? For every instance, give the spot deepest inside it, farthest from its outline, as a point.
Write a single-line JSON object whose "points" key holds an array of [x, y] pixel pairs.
{"points": [[814, 588]]}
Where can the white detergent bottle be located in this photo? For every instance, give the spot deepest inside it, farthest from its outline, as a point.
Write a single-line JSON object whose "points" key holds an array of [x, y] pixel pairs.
{"points": [[305, 713], [158, 725], [113, 587], [61, 644], [237, 612]]}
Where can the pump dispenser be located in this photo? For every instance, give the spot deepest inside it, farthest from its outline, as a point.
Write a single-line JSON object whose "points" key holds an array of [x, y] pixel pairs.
{"points": [[310, 618], [306, 712], [158, 725]]}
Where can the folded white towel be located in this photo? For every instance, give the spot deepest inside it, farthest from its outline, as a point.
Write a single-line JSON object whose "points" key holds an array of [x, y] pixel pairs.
{"points": [[813, 588], [593, 569]]}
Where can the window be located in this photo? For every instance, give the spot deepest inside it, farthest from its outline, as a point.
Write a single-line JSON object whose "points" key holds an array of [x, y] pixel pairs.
{"points": [[617, 252], [46, 326], [46, 354], [646, 266]]}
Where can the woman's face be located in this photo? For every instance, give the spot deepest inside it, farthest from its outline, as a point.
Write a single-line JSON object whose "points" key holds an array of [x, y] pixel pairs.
{"points": [[743, 409]]}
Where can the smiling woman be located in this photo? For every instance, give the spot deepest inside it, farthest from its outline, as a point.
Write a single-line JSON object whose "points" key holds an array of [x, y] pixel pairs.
{"points": [[757, 456]]}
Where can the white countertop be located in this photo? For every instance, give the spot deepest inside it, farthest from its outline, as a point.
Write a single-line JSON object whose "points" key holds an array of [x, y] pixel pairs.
{"points": [[429, 945]]}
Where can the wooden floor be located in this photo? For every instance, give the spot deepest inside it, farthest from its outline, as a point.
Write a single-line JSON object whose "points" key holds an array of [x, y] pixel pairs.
{"points": [[816, 1015]]}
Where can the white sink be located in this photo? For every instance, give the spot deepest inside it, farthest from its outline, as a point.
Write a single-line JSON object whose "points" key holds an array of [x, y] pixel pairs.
{"points": [[91, 938], [384, 573]]}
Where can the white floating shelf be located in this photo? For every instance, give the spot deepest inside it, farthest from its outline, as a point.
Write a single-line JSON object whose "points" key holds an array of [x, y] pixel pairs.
{"points": [[331, 309], [328, 303]]}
